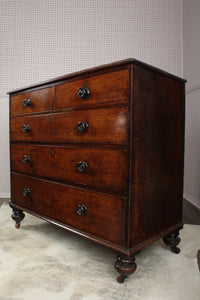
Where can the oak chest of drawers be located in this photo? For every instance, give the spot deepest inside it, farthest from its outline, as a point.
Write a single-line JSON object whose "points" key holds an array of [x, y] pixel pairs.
{"points": [[100, 152]]}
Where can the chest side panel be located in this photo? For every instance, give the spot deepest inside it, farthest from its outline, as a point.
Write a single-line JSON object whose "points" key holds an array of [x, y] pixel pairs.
{"points": [[158, 154]]}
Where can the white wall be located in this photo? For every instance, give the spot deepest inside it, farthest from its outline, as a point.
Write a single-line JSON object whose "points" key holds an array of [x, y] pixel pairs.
{"points": [[4, 149], [48, 38], [191, 46]]}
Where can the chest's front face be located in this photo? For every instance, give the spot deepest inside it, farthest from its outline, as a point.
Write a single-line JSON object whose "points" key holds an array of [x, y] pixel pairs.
{"points": [[70, 151], [100, 153]]}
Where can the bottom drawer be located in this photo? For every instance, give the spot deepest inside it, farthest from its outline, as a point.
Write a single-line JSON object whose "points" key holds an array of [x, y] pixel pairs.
{"points": [[91, 212]]}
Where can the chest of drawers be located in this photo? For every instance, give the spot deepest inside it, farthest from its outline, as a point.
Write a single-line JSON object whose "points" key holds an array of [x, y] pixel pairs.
{"points": [[100, 152]]}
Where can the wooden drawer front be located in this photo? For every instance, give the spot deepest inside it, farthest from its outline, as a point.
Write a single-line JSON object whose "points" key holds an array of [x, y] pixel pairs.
{"points": [[109, 87], [107, 126], [104, 217], [104, 168], [41, 100]]}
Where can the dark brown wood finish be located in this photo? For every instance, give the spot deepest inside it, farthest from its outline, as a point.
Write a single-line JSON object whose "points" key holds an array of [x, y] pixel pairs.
{"points": [[173, 240], [106, 162], [107, 172], [105, 126], [41, 100], [104, 88], [125, 265], [158, 142], [104, 216], [17, 216]]}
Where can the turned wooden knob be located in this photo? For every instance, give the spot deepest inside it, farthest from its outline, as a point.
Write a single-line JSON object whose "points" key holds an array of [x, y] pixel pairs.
{"points": [[82, 166], [82, 126], [26, 159], [27, 102], [83, 92], [81, 210], [26, 192], [26, 128]]}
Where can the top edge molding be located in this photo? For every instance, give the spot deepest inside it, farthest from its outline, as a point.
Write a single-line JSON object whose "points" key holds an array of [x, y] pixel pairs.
{"points": [[96, 69]]}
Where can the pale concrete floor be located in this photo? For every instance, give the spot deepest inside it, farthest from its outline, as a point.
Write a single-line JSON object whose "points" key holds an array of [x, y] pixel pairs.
{"points": [[191, 215], [2, 200]]}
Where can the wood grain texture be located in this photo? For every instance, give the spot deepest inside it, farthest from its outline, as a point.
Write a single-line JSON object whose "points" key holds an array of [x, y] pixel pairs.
{"points": [[105, 126], [41, 100], [104, 88], [158, 156], [131, 140], [105, 214], [107, 168]]}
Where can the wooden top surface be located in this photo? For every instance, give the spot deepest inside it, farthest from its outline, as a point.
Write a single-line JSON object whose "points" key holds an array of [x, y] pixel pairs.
{"points": [[97, 69]]}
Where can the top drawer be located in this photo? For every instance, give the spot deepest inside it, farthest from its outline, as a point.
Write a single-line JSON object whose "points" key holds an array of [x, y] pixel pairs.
{"points": [[104, 88], [32, 102]]}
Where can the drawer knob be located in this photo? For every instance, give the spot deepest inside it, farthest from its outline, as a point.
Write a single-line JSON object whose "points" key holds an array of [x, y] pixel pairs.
{"points": [[82, 166], [81, 210], [26, 159], [26, 128], [83, 92], [27, 102], [82, 126], [26, 192]]}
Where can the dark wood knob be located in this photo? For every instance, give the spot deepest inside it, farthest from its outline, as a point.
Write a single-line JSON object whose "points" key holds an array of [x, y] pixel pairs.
{"points": [[82, 126], [26, 159], [81, 210], [27, 102], [26, 128], [83, 92], [82, 166], [26, 192]]}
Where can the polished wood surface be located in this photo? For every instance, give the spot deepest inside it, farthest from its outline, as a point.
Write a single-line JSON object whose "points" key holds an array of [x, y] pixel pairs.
{"points": [[105, 159], [41, 100], [158, 155], [107, 172], [105, 126], [109, 87], [105, 213], [125, 265]]}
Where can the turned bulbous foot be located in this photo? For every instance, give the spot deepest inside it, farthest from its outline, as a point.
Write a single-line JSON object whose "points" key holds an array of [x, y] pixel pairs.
{"points": [[17, 216], [172, 240], [121, 278], [175, 250], [125, 265]]}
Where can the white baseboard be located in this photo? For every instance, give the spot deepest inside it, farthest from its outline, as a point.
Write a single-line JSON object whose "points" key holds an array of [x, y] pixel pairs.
{"points": [[192, 87], [4, 195], [192, 200]]}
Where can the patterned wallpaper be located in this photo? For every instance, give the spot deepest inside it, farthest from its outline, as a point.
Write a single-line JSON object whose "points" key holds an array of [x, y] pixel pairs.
{"points": [[42, 39], [192, 147], [48, 38]]}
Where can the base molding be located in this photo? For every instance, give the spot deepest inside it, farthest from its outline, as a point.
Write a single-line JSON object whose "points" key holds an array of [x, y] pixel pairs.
{"points": [[191, 214], [191, 200], [163, 234]]}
